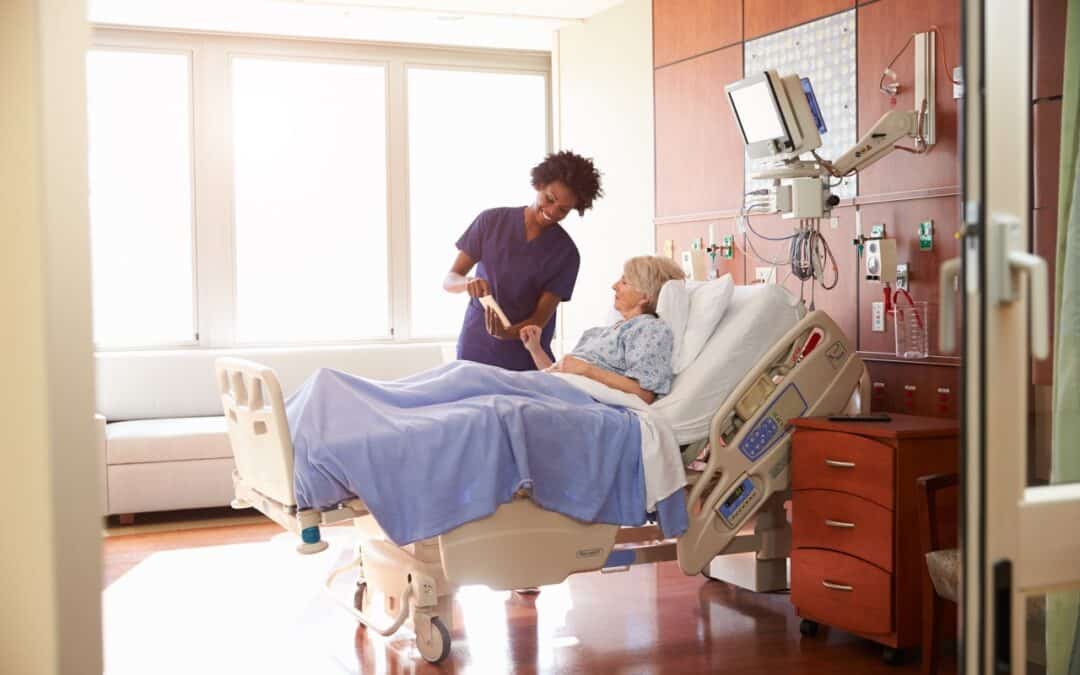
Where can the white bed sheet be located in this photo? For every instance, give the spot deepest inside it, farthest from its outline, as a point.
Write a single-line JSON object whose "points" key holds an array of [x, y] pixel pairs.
{"points": [[757, 317]]}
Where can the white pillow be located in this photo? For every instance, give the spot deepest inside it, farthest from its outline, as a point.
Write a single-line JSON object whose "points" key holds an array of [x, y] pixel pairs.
{"points": [[693, 309], [673, 306]]}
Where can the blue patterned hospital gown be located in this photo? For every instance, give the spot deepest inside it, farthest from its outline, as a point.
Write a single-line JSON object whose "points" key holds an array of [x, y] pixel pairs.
{"points": [[638, 348]]}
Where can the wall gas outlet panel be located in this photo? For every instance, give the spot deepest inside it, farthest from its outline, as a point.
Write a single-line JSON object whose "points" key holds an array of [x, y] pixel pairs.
{"points": [[926, 235], [877, 317]]}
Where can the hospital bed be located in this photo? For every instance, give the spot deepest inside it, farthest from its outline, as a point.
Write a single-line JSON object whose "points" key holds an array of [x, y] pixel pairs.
{"points": [[766, 363]]}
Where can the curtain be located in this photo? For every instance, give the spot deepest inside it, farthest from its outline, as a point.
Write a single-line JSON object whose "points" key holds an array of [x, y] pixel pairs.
{"points": [[1063, 609]]}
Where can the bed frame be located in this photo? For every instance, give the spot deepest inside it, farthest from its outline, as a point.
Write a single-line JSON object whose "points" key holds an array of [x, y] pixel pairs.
{"points": [[812, 370]]}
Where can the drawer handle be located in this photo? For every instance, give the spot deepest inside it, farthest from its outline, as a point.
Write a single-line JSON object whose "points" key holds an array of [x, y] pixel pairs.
{"points": [[837, 587], [840, 524], [839, 465]]}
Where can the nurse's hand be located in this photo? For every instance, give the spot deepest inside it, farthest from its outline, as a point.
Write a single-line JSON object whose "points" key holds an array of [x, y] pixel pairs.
{"points": [[495, 327], [572, 365], [478, 287]]}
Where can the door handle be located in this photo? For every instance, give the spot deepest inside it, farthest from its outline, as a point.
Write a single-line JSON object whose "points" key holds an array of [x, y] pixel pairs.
{"points": [[839, 523], [950, 271], [1002, 261]]}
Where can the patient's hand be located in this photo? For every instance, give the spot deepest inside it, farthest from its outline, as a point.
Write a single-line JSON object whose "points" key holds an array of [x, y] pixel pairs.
{"points": [[572, 365], [530, 337]]}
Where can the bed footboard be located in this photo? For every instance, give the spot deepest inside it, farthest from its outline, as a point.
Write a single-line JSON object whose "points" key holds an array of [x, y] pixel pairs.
{"points": [[262, 448]]}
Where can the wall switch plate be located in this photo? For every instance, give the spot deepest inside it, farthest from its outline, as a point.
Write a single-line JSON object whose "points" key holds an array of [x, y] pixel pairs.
{"points": [[765, 275], [902, 277], [926, 235], [834, 222], [877, 317]]}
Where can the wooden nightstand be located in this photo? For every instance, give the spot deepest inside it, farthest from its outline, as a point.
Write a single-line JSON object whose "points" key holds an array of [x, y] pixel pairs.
{"points": [[855, 559]]}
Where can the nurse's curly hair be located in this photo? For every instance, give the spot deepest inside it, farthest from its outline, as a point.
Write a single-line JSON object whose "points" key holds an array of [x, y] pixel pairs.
{"points": [[577, 172]]}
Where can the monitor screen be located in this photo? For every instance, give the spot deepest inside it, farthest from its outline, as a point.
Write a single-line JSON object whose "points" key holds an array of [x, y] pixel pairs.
{"points": [[758, 116], [815, 109]]}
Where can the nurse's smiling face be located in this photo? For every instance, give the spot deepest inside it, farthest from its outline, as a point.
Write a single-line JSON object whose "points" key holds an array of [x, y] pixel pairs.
{"points": [[554, 202]]}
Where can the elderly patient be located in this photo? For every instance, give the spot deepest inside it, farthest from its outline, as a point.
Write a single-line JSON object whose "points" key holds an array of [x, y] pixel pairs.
{"points": [[634, 355]]}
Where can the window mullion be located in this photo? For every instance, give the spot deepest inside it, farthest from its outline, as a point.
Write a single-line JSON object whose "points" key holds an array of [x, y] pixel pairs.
{"points": [[213, 197], [398, 195]]}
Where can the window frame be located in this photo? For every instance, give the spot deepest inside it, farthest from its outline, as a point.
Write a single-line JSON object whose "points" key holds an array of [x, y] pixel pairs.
{"points": [[213, 189]]}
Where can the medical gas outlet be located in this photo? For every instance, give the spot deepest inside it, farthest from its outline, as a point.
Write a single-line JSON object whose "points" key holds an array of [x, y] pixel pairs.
{"points": [[881, 260]]}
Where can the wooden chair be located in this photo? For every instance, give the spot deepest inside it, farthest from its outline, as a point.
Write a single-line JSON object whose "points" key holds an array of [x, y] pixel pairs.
{"points": [[938, 519]]}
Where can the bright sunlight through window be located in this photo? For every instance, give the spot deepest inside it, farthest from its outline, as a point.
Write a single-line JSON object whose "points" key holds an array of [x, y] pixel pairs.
{"points": [[310, 201], [473, 137], [139, 115]]}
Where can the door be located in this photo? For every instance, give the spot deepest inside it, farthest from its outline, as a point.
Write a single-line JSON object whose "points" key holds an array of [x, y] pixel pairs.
{"points": [[1021, 528]]}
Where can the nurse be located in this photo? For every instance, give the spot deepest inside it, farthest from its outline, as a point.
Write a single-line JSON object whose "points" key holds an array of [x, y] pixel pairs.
{"points": [[526, 260]]}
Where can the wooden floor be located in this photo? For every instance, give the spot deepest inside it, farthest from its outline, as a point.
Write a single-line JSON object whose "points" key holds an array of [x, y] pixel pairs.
{"points": [[237, 599]]}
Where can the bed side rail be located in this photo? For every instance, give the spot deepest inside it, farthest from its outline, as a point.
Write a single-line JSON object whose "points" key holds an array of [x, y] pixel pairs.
{"points": [[812, 370], [258, 429]]}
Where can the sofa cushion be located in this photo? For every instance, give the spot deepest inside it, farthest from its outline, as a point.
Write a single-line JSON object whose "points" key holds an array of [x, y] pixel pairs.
{"points": [[167, 486], [181, 383], [167, 440]]}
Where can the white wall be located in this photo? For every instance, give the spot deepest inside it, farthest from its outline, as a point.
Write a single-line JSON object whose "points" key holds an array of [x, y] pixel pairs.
{"points": [[603, 81], [50, 569]]}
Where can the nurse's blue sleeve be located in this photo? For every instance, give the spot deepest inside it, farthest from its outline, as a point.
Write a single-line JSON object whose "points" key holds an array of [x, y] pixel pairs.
{"points": [[471, 243], [648, 348], [562, 284]]}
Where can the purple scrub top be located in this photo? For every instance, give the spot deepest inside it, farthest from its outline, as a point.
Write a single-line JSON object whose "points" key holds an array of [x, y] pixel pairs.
{"points": [[518, 271]]}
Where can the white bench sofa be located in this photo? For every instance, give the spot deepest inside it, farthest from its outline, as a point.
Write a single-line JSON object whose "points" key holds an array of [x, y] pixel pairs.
{"points": [[161, 430]]}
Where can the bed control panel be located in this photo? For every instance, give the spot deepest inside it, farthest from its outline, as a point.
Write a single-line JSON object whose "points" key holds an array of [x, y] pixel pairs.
{"points": [[771, 427], [736, 504]]}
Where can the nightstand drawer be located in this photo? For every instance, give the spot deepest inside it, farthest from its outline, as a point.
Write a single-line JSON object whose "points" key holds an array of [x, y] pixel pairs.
{"points": [[841, 591], [843, 522], [826, 460]]}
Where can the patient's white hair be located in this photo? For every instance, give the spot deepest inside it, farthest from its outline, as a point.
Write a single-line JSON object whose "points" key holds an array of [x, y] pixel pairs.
{"points": [[648, 273]]}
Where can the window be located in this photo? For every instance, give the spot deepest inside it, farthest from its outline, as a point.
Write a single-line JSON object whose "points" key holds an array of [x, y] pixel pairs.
{"points": [[309, 144], [140, 178], [473, 137], [255, 191]]}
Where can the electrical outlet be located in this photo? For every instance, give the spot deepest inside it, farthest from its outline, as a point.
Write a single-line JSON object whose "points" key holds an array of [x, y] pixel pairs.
{"points": [[926, 235], [765, 275], [902, 277], [877, 317], [834, 222]]}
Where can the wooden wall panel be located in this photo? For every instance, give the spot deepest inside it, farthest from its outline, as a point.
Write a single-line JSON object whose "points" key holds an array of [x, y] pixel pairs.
{"points": [[902, 224], [883, 28], [768, 16], [685, 28], [699, 151], [1046, 153], [1044, 244], [1048, 47], [684, 233], [936, 390]]}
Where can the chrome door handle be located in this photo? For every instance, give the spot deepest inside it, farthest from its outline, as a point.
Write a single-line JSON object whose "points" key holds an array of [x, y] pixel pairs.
{"points": [[950, 271], [1002, 261], [837, 587], [840, 524], [839, 465]]}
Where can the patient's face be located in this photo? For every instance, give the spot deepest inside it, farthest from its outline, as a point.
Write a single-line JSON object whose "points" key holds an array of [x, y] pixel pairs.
{"points": [[554, 202], [628, 300]]}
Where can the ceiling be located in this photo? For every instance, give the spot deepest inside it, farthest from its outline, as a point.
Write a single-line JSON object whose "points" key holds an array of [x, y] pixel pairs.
{"points": [[498, 24]]}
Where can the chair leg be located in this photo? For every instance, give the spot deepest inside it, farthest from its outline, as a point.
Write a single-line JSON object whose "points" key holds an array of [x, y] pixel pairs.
{"points": [[933, 613]]}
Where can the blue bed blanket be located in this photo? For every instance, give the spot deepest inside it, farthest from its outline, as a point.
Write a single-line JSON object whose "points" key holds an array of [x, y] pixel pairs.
{"points": [[430, 452]]}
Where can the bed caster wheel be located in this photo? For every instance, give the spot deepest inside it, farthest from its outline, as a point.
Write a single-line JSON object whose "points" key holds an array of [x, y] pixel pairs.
{"points": [[437, 647], [892, 657], [358, 596], [808, 628]]}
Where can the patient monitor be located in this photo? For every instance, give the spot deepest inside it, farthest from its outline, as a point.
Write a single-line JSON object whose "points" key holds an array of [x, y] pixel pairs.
{"points": [[780, 122]]}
